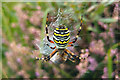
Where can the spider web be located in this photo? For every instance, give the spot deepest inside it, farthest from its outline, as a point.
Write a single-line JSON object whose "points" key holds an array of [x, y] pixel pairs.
{"points": [[60, 19], [44, 49]]}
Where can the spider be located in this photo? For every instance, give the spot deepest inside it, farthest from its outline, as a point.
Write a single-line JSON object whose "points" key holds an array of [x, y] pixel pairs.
{"points": [[61, 39]]}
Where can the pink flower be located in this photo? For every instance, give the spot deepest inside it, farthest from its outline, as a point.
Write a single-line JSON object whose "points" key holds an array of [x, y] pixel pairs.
{"points": [[82, 68], [97, 47], [103, 25], [18, 60], [105, 75], [93, 64], [37, 74]]}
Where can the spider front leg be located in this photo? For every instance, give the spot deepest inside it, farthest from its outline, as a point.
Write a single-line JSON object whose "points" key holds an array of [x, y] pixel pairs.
{"points": [[50, 46], [48, 57], [75, 39], [47, 30]]}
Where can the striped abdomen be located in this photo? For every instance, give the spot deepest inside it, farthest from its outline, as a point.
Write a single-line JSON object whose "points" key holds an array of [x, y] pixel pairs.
{"points": [[61, 37]]}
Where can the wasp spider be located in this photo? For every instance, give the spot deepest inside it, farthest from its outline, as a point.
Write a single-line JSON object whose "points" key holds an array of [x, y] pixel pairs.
{"points": [[61, 39]]}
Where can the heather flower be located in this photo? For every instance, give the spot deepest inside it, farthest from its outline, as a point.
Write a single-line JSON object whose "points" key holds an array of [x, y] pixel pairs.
{"points": [[93, 64], [22, 16], [117, 77], [107, 35], [35, 32], [45, 77], [104, 35], [23, 73], [38, 7], [11, 62], [105, 73], [93, 35], [18, 60], [13, 25], [97, 47], [110, 33], [36, 17], [56, 72], [37, 74], [82, 68], [114, 51], [103, 25]]}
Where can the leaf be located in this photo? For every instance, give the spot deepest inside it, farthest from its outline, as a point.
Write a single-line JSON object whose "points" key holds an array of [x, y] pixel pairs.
{"points": [[108, 20], [100, 9], [109, 65], [92, 29]]}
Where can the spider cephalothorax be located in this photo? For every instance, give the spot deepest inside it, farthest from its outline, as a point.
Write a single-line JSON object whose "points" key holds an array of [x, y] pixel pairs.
{"points": [[61, 39]]}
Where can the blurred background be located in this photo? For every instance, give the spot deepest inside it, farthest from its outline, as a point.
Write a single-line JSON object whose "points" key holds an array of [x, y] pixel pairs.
{"points": [[24, 23]]}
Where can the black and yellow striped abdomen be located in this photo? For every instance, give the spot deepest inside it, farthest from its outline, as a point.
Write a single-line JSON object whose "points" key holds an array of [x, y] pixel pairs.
{"points": [[61, 37]]}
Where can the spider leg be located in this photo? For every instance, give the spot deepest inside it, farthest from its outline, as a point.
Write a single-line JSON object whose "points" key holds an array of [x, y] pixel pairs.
{"points": [[50, 46], [73, 54], [47, 30], [70, 57], [75, 39], [69, 45], [48, 57]]}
